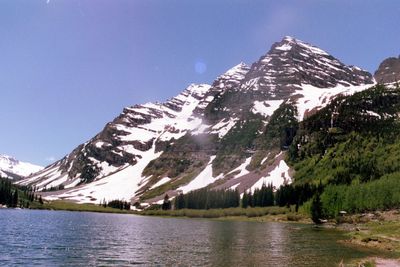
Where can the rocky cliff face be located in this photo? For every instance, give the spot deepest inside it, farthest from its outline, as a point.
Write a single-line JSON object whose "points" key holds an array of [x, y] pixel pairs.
{"points": [[388, 71], [224, 135]]}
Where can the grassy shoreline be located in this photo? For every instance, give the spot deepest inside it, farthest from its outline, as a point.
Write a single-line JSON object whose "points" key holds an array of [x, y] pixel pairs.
{"points": [[72, 206], [260, 214], [378, 230]]}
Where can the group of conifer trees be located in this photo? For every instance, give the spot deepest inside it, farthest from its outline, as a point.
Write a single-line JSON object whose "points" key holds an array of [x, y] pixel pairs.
{"points": [[13, 196], [265, 196], [8, 194], [262, 197], [208, 199], [116, 204], [291, 194]]}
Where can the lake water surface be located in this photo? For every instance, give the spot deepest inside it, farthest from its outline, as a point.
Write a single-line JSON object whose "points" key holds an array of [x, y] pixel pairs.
{"points": [[60, 238]]}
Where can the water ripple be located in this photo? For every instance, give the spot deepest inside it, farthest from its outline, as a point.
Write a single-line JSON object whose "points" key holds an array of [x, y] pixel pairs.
{"points": [[58, 238]]}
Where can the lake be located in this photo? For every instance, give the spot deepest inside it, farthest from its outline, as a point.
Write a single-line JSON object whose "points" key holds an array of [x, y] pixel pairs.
{"points": [[54, 238]]}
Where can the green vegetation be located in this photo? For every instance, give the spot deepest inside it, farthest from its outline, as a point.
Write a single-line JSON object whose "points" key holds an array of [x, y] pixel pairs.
{"points": [[16, 196], [207, 199], [351, 147], [237, 144], [174, 184], [277, 135], [117, 204], [178, 156], [263, 197], [71, 206], [219, 213], [356, 198], [316, 209], [281, 128], [166, 204], [181, 160], [360, 157]]}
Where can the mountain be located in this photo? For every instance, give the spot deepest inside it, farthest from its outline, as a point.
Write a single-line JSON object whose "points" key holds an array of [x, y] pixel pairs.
{"points": [[14, 169], [233, 133], [388, 71]]}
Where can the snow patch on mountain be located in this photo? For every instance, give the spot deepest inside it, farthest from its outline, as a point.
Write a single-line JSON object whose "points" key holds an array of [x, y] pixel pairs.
{"points": [[241, 169], [161, 182], [121, 185], [277, 177], [266, 108], [317, 98], [202, 180], [223, 127], [139, 124]]}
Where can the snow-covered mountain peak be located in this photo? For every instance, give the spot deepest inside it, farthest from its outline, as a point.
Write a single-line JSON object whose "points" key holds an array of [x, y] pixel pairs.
{"points": [[198, 88], [292, 62], [165, 144], [11, 167], [239, 69], [231, 77], [8, 159], [288, 43]]}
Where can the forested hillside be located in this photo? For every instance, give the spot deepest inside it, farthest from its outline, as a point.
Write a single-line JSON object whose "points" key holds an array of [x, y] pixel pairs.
{"points": [[352, 148]]}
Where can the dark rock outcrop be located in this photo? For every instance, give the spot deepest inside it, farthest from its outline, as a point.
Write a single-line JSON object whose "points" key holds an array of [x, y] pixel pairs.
{"points": [[388, 71]]}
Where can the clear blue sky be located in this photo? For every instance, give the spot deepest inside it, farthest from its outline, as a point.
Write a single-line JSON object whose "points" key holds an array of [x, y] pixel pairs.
{"points": [[67, 67]]}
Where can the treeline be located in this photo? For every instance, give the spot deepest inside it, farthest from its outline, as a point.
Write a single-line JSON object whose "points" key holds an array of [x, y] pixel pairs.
{"points": [[291, 194], [375, 195], [53, 188], [116, 204], [263, 197], [208, 199], [16, 196]]}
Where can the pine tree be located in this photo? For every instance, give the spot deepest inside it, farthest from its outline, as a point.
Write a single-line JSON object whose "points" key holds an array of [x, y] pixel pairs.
{"points": [[167, 203], [245, 200], [316, 209], [14, 202]]}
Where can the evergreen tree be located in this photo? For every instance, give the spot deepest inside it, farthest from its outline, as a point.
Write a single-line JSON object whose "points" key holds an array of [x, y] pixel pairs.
{"points": [[245, 200], [15, 199], [251, 199], [167, 203], [316, 209]]}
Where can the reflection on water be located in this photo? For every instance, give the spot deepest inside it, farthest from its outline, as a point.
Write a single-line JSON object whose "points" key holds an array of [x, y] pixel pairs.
{"points": [[32, 237]]}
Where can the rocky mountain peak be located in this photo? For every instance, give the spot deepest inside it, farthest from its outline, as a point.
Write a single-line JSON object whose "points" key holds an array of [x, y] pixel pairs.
{"points": [[236, 71], [289, 43], [388, 71], [291, 63]]}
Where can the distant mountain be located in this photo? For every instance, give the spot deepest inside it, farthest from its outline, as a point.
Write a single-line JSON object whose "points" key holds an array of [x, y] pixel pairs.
{"points": [[233, 133], [14, 169], [388, 71]]}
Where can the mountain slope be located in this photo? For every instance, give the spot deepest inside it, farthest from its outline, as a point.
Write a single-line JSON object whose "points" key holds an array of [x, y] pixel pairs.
{"points": [[353, 138], [230, 134], [15, 169]]}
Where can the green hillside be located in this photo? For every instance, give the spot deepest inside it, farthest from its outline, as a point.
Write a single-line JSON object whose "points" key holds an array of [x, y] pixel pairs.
{"points": [[352, 147]]}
